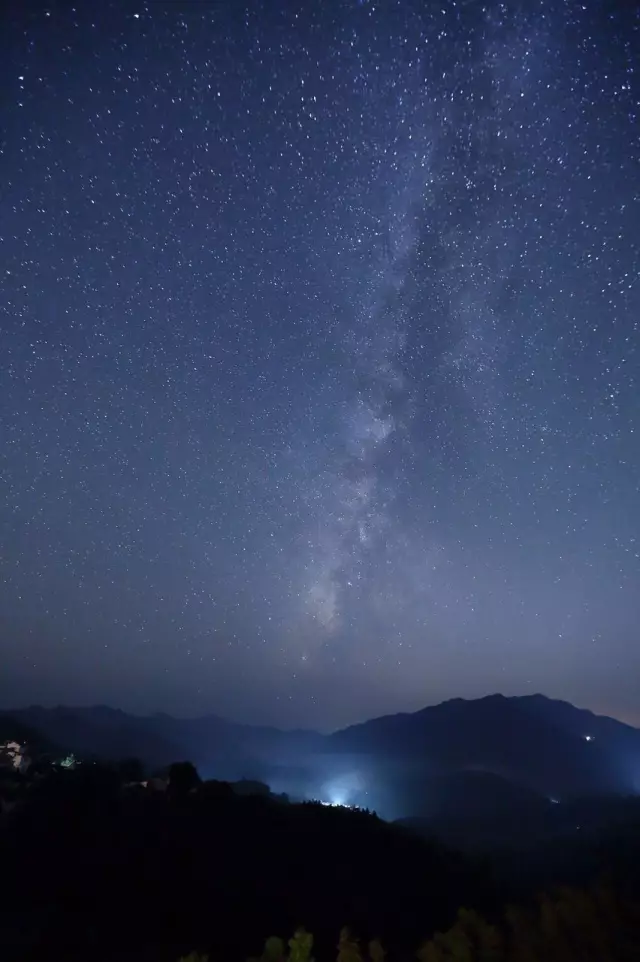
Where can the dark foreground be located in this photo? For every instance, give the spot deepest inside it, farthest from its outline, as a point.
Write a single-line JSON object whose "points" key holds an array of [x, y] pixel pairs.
{"points": [[98, 869]]}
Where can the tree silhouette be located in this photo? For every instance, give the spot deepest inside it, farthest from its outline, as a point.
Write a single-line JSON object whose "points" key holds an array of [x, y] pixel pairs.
{"points": [[273, 950], [376, 952], [348, 948], [215, 791], [183, 779], [300, 946], [250, 786], [131, 770]]}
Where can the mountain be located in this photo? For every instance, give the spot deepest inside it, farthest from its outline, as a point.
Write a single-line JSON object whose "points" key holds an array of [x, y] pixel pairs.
{"points": [[99, 731], [550, 746], [218, 747], [524, 749], [13, 729]]}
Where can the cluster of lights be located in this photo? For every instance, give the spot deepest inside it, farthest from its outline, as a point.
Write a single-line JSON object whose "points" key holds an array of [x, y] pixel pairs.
{"points": [[14, 753], [70, 761]]}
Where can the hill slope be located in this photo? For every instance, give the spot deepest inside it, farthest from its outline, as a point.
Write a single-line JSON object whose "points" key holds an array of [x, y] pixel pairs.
{"points": [[391, 763], [550, 746]]}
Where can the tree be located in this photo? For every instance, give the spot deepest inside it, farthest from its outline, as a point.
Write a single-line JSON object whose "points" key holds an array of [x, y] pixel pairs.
{"points": [[376, 952], [183, 779], [216, 791], [249, 786], [430, 952], [348, 948], [131, 770], [300, 946], [470, 939], [273, 950]]}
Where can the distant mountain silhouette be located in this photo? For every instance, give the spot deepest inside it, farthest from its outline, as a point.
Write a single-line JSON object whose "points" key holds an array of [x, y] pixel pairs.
{"points": [[212, 743], [478, 794], [550, 746], [13, 729], [97, 732], [529, 748]]}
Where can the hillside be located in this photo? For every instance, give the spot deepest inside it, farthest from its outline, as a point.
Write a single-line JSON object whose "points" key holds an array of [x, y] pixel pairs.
{"points": [[394, 764], [14, 728], [552, 747], [105, 872]]}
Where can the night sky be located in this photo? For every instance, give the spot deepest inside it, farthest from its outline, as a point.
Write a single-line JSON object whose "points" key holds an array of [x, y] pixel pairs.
{"points": [[319, 355]]}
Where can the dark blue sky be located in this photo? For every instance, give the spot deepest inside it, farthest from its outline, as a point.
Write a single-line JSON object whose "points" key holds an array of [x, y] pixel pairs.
{"points": [[319, 356]]}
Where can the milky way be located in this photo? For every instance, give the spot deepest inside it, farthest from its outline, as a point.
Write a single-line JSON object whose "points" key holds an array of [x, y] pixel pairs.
{"points": [[319, 372]]}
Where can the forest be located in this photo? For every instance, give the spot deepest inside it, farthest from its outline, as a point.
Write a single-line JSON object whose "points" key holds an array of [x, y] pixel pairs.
{"points": [[101, 864]]}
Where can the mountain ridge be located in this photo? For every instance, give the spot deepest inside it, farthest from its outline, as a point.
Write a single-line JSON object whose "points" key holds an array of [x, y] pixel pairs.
{"points": [[390, 762], [493, 696]]}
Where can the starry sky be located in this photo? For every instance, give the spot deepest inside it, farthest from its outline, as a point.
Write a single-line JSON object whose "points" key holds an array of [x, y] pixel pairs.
{"points": [[319, 355]]}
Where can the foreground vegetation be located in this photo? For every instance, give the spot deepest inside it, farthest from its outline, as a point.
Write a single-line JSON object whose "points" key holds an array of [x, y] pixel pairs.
{"points": [[569, 926], [103, 866]]}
